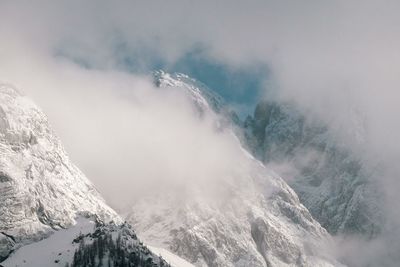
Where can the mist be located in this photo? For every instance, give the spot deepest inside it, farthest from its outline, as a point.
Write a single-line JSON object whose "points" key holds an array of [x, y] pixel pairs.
{"points": [[329, 57], [130, 137], [332, 58]]}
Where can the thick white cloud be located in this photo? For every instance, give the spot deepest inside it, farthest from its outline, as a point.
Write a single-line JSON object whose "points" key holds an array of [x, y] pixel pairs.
{"points": [[128, 136], [330, 56]]}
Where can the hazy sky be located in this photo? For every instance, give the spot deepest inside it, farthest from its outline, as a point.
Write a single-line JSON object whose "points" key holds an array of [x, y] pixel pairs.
{"points": [[83, 63]]}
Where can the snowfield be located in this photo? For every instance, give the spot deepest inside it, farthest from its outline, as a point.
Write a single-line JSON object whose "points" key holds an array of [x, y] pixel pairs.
{"points": [[56, 250], [170, 257]]}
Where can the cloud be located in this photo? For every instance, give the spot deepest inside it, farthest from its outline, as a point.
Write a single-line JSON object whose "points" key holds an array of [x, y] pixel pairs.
{"points": [[130, 137], [333, 58], [328, 56]]}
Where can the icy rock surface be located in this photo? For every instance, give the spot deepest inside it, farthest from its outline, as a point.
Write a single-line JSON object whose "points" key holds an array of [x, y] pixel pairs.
{"points": [[248, 217], [331, 180], [40, 189]]}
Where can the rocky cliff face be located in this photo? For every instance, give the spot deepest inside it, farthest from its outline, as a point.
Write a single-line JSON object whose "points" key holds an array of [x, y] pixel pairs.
{"points": [[248, 216], [40, 189], [331, 180]]}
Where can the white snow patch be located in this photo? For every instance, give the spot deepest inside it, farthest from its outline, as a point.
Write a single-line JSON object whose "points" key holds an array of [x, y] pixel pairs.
{"points": [[56, 250], [170, 257]]}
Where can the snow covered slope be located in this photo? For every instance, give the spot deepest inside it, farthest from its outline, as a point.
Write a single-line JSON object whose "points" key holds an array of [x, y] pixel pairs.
{"points": [[56, 250], [170, 258], [87, 242], [331, 180], [40, 189], [247, 216]]}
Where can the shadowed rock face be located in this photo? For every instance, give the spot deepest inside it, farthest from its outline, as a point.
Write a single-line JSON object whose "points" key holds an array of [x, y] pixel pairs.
{"points": [[331, 180], [40, 188], [7, 244]]}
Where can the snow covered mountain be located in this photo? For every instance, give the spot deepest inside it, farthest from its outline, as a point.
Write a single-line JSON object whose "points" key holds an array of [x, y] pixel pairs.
{"points": [[247, 216], [40, 189], [331, 180]]}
